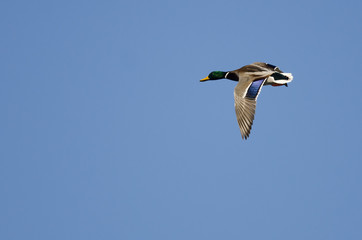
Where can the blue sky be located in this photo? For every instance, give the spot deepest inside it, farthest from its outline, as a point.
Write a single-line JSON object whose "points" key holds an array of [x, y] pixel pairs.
{"points": [[107, 133]]}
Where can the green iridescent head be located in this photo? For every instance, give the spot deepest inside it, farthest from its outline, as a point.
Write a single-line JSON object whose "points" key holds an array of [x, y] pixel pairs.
{"points": [[214, 76]]}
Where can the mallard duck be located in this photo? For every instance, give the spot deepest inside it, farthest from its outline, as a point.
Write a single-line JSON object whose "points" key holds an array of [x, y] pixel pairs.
{"points": [[250, 80]]}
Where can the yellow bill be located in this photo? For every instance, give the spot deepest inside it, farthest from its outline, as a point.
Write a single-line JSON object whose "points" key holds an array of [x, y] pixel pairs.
{"points": [[205, 79]]}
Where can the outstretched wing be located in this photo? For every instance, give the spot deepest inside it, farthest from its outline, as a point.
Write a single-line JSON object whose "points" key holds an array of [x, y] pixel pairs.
{"points": [[245, 96], [268, 66]]}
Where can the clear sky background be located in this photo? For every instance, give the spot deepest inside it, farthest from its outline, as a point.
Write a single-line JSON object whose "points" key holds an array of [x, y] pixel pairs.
{"points": [[107, 133]]}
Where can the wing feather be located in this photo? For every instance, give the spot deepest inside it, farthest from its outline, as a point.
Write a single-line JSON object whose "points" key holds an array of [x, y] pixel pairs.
{"points": [[268, 66], [245, 104]]}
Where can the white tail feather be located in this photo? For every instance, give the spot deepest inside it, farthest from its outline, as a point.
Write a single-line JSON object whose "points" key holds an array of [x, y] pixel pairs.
{"points": [[271, 79]]}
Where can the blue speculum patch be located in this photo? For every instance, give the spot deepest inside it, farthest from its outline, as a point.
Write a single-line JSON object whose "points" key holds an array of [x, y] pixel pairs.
{"points": [[254, 88]]}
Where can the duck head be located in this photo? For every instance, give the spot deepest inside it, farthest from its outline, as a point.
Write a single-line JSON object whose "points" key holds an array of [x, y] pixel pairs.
{"points": [[215, 75]]}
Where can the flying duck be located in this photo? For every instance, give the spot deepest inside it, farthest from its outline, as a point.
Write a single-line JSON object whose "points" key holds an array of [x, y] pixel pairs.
{"points": [[250, 80]]}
